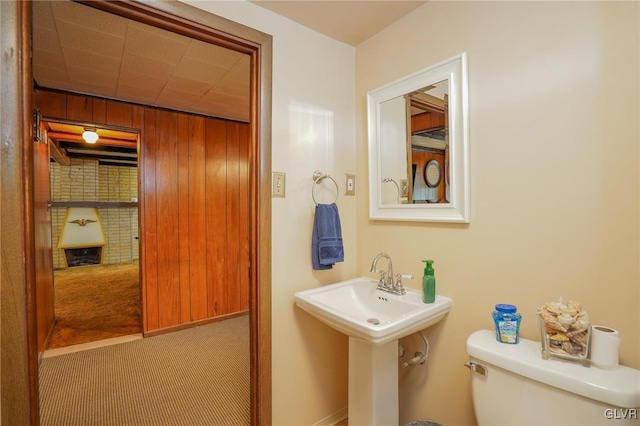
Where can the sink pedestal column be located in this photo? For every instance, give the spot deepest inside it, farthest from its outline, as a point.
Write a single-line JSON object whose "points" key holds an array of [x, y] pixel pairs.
{"points": [[373, 383]]}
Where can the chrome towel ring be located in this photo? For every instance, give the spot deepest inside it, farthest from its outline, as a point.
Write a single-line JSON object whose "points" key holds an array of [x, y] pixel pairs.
{"points": [[318, 177], [385, 180]]}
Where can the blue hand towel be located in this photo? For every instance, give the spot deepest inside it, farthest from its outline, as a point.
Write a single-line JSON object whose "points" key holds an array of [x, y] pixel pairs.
{"points": [[326, 240]]}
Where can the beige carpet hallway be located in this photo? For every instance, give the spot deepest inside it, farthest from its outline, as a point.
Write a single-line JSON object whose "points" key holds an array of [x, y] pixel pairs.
{"points": [[95, 303], [197, 376]]}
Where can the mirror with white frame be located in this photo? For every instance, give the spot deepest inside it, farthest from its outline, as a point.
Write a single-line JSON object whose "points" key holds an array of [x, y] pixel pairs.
{"points": [[419, 146]]}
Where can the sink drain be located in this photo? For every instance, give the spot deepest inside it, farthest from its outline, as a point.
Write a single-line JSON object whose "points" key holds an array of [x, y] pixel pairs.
{"points": [[374, 321]]}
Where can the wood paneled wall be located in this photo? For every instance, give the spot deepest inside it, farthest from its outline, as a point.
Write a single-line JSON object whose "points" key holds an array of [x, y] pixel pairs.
{"points": [[421, 158], [194, 206]]}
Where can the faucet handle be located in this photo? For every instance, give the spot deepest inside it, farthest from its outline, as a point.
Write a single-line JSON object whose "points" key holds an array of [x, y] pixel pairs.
{"points": [[399, 288], [406, 277], [399, 278], [382, 283]]}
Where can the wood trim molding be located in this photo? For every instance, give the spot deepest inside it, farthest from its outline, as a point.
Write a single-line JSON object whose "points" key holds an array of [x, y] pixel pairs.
{"points": [[19, 352], [260, 302], [29, 209]]}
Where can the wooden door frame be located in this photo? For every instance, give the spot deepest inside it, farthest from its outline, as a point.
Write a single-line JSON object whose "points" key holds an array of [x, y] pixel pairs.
{"points": [[19, 348], [19, 351]]}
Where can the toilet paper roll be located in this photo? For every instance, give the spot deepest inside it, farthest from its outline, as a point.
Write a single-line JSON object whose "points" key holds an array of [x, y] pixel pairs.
{"points": [[605, 343]]}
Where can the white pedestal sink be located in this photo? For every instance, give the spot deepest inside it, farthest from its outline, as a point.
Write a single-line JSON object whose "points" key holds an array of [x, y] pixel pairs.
{"points": [[374, 321]]}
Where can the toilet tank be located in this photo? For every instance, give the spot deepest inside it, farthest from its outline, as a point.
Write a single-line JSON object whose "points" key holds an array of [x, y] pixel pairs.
{"points": [[521, 388]]}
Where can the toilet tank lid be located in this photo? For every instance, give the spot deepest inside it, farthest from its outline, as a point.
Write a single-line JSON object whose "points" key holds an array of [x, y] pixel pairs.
{"points": [[619, 387]]}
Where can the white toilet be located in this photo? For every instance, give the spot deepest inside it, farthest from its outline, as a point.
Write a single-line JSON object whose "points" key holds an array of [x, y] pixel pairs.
{"points": [[513, 385]]}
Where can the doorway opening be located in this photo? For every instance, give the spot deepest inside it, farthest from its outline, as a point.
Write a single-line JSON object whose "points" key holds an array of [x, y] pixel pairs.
{"points": [[26, 310], [95, 241]]}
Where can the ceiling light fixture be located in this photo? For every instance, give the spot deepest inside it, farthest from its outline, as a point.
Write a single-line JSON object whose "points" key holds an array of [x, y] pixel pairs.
{"points": [[90, 135]]}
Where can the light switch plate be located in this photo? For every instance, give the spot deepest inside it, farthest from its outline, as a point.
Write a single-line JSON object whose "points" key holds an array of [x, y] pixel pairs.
{"points": [[278, 181], [404, 188], [350, 184]]}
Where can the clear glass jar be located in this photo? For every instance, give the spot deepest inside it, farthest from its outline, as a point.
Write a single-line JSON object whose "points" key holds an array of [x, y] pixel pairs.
{"points": [[507, 321]]}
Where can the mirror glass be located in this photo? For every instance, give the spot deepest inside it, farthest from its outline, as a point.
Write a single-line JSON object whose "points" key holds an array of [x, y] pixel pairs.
{"points": [[418, 146]]}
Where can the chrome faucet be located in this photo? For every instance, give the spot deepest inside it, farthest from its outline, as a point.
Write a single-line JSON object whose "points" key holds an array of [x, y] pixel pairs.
{"points": [[388, 283], [386, 279]]}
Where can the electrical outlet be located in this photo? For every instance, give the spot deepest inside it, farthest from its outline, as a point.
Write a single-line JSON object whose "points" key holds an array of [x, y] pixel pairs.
{"points": [[278, 184], [350, 185]]}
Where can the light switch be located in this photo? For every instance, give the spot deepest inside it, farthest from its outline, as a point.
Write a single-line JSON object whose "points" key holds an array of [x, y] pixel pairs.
{"points": [[404, 188], [278, 184], [350, 185]]}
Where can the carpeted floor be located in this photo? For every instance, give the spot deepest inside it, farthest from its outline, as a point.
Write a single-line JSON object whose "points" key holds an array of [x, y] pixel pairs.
{"points": [[95, 303], [198, 376]]}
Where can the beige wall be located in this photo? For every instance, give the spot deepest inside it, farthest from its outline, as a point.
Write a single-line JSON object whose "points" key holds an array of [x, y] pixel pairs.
{"points": [[554, 107]]}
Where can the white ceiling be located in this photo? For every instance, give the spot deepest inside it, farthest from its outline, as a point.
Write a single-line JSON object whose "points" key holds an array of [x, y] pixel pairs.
{"points": [[351, 22], [80, 49]]}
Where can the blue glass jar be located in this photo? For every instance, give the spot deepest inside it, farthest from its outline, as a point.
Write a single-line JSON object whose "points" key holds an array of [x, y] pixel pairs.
{"points": [[507, 321]]}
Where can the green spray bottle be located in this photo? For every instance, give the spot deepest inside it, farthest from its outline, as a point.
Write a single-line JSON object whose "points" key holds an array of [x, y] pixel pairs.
{"points": [[428, 283]]}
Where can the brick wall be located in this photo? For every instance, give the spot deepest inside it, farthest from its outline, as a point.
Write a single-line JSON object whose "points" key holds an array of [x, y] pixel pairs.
{"points": [[86, 180]]}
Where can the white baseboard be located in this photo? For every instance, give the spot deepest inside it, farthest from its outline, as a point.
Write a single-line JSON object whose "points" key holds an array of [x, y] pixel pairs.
{"points": [[334, 418]]}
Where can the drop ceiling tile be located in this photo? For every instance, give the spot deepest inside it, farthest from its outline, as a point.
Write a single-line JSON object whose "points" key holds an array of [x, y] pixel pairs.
{"points": [[187, 85], [94, 89], [91, 18], [229, 115], [149, 44], [147, 66], [182, 106], [136, 95], [43, 15], [48, 59], [244, 60], [200, 71], [233, 88], [87, 75], [144, 81], [224, 111], [45, 39], [169, 95], [241, 72], [55, 84], [219, 99], [212, 54], [88, 40], [232, 112], [91, 60], [238, 108], [50, 75], [156, 33], [92, 55]]}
